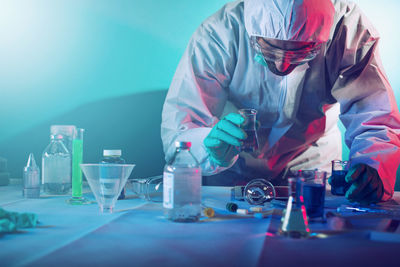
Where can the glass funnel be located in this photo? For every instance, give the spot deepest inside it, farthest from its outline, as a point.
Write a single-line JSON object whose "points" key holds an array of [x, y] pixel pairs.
{"points": [[106, 182]]}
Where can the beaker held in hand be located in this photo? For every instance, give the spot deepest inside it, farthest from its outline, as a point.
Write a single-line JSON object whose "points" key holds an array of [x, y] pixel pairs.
{"points": [[250, 144]]}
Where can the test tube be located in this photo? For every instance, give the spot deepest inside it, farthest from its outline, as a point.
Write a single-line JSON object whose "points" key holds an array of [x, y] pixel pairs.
{"points": [[77, 158]]}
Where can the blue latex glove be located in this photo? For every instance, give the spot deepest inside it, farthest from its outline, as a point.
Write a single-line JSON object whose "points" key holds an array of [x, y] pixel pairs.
{"points": [[366, 185], [225, 138], [12, 221]]}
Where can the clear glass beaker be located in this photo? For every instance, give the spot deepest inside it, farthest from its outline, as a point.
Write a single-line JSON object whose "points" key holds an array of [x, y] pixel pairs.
{"points": [[249, 126], [339, 186], [314, 192]]}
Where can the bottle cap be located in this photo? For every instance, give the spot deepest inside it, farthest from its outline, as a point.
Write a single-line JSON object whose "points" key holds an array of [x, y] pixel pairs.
{"points": [[66, 130], [183, 144], [112, 152]]}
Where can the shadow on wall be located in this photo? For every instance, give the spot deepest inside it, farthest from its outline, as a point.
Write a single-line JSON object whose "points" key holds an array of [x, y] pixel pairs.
{"points": [[130, 123]]}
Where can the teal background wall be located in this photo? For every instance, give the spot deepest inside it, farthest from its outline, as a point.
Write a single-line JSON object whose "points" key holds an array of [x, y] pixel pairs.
{"points": [[58, 55], [105, 66]]}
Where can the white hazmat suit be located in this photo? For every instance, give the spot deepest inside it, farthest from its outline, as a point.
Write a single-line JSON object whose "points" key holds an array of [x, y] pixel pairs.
{"points": [[298, 112]]}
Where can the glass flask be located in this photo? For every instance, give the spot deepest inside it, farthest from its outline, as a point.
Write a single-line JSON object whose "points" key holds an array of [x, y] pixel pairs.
{"points": [[294, 219], [150, 189], [259, 191], [182, 185], [56, 167], [250, 144]]}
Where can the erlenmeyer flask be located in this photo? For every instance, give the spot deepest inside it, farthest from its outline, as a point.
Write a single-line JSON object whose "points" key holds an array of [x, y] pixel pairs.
{"points": [[294, 219]]}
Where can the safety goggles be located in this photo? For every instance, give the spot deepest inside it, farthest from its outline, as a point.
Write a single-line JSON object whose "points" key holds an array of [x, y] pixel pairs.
{"points": [[272, 53]]}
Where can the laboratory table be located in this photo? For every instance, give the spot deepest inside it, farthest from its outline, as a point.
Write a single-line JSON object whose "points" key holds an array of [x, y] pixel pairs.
{"points": [[137, 234]]}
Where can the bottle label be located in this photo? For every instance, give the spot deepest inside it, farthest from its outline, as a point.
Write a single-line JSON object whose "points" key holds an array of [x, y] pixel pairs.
{"points": [[168, 188]]}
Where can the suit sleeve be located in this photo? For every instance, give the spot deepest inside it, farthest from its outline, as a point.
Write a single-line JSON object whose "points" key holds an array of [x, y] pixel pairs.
{"points": [[368, 106], [198, 92]]}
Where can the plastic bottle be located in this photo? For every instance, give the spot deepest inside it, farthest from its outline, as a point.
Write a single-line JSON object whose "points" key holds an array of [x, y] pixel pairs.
{"points": [[114, 157], [182, 186], [56, 167]]}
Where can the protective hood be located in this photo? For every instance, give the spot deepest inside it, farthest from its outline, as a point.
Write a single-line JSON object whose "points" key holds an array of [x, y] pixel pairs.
{"points": [[289, 20]]}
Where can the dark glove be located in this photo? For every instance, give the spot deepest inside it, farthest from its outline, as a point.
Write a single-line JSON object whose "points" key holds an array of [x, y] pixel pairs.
{"points": [[225, 138], [366, 185]]}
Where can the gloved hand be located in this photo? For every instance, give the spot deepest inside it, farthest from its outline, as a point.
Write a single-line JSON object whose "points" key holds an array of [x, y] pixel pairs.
{"points": [[367, 186], [225, 138]]}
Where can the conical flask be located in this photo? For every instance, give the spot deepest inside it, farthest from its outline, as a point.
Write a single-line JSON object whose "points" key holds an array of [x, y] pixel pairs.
{"points": [[294, 220]]}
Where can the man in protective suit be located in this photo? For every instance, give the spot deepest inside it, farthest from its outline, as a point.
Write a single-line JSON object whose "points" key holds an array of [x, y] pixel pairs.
{"points": [[302, 64]]}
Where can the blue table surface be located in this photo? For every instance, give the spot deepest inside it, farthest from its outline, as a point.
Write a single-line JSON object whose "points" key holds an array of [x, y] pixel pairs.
{"points": [[138, 234]]}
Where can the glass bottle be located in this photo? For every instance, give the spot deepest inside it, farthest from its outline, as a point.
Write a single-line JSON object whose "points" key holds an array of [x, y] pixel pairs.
{"points": [[114, 157], [182, 185], [56, 167], [68, 132], [294, 220]]}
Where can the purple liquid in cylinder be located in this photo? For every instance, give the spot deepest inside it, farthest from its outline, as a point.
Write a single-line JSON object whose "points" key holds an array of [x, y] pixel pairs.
{"points": [[339, 185], [250, 144], [314, 198]]}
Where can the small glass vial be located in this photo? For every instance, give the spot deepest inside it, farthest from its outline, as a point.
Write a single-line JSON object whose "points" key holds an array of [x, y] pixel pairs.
{"points": [[113, 156], [182, 186], [31, 176], [56, 167]]}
